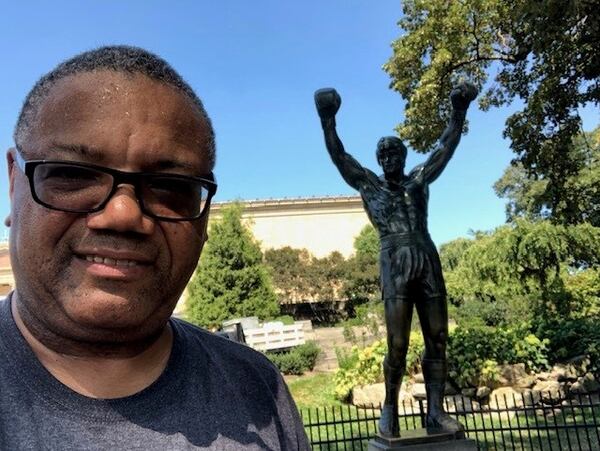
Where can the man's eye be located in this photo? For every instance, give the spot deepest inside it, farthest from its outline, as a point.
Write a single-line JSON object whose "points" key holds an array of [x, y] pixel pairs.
{"points": [[70, 173], [171, 186]]}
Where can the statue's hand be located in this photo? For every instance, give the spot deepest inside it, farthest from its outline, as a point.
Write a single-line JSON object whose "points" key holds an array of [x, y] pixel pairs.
{"points": [[328, 102], [462, 95]]}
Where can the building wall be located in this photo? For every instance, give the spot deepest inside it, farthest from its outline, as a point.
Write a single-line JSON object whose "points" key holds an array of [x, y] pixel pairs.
{"points": [[320, 224]]}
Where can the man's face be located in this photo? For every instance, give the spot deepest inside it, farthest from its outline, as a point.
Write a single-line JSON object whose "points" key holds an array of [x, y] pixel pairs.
{"points": [[392, 161], [139, 266]]}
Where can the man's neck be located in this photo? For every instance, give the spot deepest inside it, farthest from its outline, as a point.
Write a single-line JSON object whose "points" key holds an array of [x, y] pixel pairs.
{"points": [[102, 376], [396, 178]]}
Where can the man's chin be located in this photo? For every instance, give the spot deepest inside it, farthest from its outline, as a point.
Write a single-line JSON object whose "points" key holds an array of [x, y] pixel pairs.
{"points": [[112, 312]]}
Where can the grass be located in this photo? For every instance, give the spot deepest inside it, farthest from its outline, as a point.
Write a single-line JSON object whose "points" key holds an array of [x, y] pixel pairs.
{"points": [[314, 390]]}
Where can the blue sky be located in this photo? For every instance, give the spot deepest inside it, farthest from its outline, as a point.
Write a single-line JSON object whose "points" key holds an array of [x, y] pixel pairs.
{"points": [[256, 65]]}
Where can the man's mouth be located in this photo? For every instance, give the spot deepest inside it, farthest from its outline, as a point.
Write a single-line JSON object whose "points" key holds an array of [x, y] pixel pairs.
{"points": [[111, 261]]}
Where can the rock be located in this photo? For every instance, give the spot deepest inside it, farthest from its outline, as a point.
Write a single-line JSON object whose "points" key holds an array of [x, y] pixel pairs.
{"points": [[512, 373], [564, 373], [577, 388], [469, 392], [418, 378], [461, 404], [450, 390], [418, 391], [482, 392], [505, 397], [368, 395], [531, 398], [543, 376], [525, 382], [590, 384], [551, 391]]}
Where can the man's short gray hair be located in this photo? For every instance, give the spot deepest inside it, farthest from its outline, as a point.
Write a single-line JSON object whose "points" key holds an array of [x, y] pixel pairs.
{"points": [[119, 58]]}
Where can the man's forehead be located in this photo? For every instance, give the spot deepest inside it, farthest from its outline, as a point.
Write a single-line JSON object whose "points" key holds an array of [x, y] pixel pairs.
{"points": [[106, 109], [91, 92]]}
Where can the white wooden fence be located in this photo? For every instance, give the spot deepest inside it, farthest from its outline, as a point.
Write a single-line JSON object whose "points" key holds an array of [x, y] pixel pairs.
{"points": [[275, 336]]}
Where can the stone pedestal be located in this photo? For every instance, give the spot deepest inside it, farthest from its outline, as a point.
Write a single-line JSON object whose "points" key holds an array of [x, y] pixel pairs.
{"points": [[421, 440]]}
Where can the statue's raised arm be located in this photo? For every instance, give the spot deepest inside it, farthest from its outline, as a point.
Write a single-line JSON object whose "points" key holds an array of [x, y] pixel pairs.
{"points": [[328, 102], [461, 97]]}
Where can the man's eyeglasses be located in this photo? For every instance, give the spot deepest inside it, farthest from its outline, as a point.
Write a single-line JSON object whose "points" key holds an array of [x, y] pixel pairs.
{"points": [[87, 188]]}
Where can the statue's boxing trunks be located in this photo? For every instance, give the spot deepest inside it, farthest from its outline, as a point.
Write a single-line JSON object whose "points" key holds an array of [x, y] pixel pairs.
{"points": [[410, 268]]}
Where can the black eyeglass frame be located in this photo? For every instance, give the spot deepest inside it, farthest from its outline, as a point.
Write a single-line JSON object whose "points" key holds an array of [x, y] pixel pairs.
{"points": [[119, 178]]}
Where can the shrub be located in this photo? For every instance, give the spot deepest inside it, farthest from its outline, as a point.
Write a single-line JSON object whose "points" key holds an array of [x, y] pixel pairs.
{"points": [[473, 352], [297, 360], [365, 370], [573, 338]]}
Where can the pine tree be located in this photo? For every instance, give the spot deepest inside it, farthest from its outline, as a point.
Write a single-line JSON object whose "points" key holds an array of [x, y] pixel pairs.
{"points": [[231, 279]]}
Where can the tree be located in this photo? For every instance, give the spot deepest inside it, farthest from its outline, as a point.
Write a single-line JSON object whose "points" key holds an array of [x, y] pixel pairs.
{"points": [[529, 197], [527, 269], [362, 274], [542, 52], [298, 275], [231, 280]]}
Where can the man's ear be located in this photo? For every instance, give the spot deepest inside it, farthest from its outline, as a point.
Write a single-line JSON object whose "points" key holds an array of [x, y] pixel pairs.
{"points": [[11, 165]]}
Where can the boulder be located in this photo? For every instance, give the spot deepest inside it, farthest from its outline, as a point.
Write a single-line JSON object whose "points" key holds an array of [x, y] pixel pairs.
{"points": [[589, 382], [531, 398], [483, 392], [450, 390], [510, 374], [551, 391], [505, 397], [525, 382], [461, 404], [564, 373], [418, 391], [469, 392], [368, 395]]}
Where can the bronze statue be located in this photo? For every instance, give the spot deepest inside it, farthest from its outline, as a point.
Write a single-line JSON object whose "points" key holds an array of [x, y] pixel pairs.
{"points": [[411, 272]]}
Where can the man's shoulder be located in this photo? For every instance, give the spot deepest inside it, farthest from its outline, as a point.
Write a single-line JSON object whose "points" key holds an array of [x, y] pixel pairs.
{"points": [[221, 349]]}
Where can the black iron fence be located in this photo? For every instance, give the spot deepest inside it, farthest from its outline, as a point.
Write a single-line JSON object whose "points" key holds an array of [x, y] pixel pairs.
{"points": [[531, 421]]}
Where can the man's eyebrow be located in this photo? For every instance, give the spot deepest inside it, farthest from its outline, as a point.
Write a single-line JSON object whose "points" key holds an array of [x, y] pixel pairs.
{"points": [[82, 150], [165, 165], [92, 153]]}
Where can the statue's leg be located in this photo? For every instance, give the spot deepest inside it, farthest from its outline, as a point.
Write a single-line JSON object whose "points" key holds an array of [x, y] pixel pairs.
{"points": [[398, 315], [433, 315]]}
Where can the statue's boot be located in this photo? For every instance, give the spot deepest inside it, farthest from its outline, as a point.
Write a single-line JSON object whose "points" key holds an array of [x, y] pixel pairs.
{"points": [[435, 373], [388, 423]]}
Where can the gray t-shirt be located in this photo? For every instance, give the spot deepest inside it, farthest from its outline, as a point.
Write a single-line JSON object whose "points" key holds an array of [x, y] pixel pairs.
{"points": [[213, 394]]}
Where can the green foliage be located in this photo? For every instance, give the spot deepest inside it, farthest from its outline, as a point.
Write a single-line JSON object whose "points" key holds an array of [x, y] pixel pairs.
{"points": [[473, 353], [542, 53], [362, 269], [298, 275], [473, 357], [297, 360], [231, 280], [366, 370], [370, 316], [364, 366], [415, 351], [525, 269], [569, 338], [579, 198]]}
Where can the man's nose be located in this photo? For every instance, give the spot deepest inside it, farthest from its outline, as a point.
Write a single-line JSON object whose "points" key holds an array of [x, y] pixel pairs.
{"points": [[122, 213]]}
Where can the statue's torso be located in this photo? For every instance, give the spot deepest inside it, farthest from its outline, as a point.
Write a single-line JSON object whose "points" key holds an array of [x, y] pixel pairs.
{"points": [[395, 208]]}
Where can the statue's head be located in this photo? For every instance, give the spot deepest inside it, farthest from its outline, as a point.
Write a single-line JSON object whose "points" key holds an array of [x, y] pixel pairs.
{"points": [[391, 155]]}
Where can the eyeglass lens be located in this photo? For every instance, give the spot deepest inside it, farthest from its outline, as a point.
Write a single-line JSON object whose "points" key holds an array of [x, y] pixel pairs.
{"points": [[77, 188]]}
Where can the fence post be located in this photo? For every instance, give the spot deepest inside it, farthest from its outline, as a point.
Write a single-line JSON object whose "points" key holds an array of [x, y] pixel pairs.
{"points": [[421, 412]]}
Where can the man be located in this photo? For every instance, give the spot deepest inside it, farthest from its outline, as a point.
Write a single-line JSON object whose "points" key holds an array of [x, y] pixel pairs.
{"points": [[110, 186], [411, 273]]}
